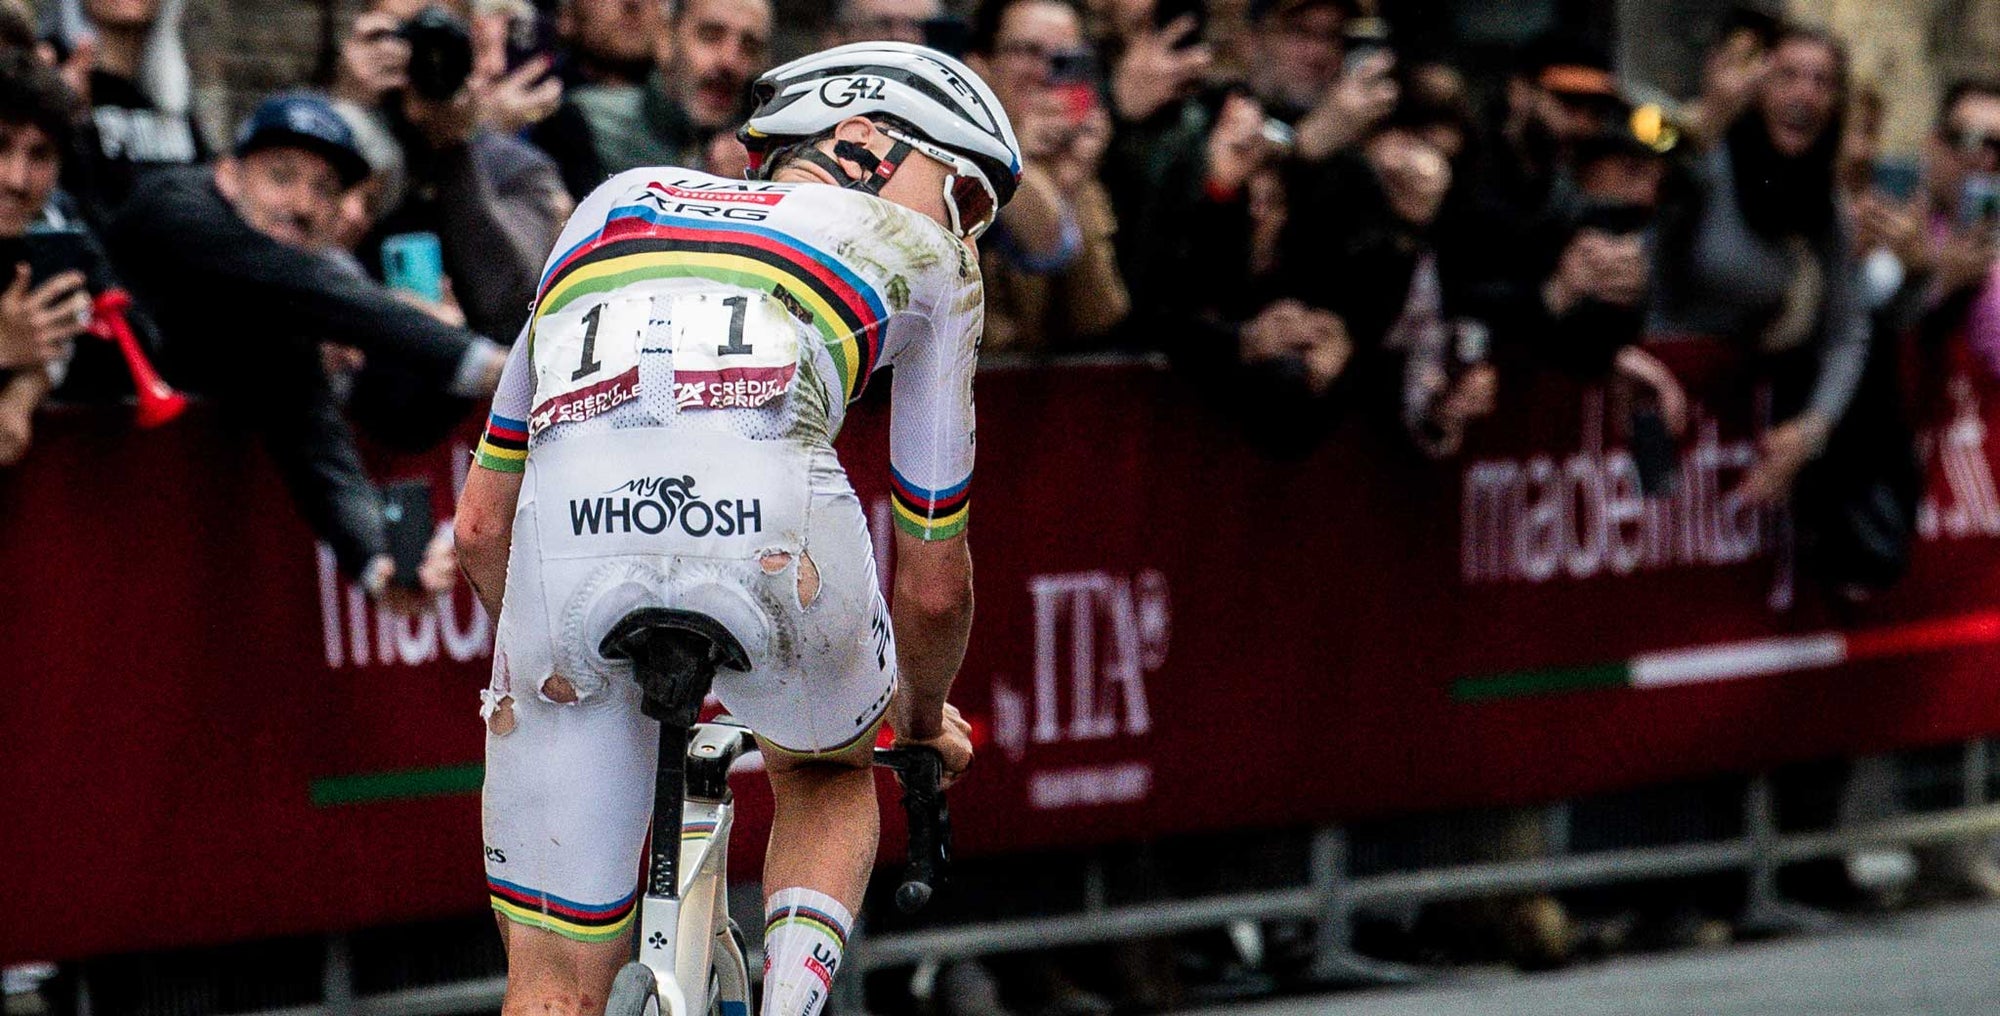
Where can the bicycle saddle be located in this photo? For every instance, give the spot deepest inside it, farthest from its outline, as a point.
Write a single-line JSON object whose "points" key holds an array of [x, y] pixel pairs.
{"points": [[674, 655]]}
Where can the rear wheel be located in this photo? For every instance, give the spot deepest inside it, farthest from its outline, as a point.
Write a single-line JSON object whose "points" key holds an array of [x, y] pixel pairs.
{"points": [[633, 993]]}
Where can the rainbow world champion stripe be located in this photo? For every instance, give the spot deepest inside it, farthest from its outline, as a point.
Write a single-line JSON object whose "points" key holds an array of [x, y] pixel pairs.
{"points": [[930, 514], [504, 446], [578, 921], [640, 243]]}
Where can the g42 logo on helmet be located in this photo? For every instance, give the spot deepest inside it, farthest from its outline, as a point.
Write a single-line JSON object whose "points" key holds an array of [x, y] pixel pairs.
{"points": [[838, 92]]}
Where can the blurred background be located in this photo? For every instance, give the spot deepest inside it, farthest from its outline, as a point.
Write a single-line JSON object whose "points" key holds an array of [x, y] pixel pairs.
{"points": [[1467, 489]]}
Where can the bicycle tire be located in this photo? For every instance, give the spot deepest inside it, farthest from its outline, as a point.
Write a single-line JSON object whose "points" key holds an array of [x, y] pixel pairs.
{"points": [[633, 993]]}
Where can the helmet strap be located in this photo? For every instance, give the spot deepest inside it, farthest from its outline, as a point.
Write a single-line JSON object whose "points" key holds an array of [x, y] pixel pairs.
{"points": [[875, 171]]}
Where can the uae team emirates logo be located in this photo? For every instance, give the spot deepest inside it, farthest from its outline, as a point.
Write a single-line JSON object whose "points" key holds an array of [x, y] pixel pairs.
{"points": [[652, 505]]}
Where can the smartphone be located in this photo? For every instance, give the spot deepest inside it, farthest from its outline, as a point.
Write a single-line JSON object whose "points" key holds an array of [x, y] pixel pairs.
{"points": [[1655, 454], [1166, 12], [414, 263], [1897, 178], [54, 252], [1073, 77], [1979, 200], [406, 514], [531, 35]]}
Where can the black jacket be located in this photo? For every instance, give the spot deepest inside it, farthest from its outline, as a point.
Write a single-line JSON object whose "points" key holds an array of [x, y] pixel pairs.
{"points": [[242, 317]]}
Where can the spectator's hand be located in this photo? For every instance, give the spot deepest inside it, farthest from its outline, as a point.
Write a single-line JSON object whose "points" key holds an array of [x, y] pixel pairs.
{"points": [[1414, 176], [1278, 329], [1329, 350], [1152, 73], [1786, 450], [75, 71], [506, 102], [953, 743], [338, 359], [446, 310], [434, 576], [36, 325], [1965, 259], [18, 400], [374, 60], [1288, 329], [1620, 269], [519, 99], [1730, 76], [1895, 226], [1364, 94], [1598, 266], [1668, 395], [1044, 128], [1236, 143]]}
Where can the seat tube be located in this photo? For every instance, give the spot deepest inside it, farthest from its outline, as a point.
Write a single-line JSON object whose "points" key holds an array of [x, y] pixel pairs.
{"points": [[669, 792]]}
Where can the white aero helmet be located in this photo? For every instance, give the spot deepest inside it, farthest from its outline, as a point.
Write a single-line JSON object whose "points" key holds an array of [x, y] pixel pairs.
{"points": [[939, 98]]}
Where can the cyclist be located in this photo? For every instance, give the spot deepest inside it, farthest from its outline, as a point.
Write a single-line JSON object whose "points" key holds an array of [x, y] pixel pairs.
{"points": [[662, 436]]}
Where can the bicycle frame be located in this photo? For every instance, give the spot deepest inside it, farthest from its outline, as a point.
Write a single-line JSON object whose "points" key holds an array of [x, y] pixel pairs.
{"points": [[682, 925]]}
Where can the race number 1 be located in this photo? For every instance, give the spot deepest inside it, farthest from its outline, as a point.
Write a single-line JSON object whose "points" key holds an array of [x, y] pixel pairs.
{"points": [[588, 363], [738, 351]]}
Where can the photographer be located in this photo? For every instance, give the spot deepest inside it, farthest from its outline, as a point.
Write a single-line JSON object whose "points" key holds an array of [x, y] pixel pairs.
{"points": [[1051, 269], [493, 203], [232, 262], [1591, 315], [43, 309]]}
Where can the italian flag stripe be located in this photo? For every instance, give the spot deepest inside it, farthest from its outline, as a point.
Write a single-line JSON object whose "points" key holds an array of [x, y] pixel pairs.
{"points": [[1732, 661]]}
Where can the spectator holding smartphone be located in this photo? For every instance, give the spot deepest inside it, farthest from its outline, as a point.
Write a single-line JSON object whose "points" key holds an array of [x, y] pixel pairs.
{"points": [[39, 319], [1962, 194], [1051, 269]]}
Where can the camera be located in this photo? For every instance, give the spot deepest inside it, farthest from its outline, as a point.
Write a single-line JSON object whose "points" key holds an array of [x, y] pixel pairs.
{"points": [[440, 53]]}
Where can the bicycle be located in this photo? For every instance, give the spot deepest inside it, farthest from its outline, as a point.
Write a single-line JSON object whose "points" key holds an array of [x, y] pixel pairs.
{"points": [[675, 654]]}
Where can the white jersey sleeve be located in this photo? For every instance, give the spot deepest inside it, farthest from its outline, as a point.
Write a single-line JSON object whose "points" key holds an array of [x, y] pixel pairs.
{"points": [[931, 430]]}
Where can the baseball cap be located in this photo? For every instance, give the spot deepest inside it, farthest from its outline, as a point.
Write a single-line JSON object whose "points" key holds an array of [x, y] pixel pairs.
{"points": [[307, 121]]}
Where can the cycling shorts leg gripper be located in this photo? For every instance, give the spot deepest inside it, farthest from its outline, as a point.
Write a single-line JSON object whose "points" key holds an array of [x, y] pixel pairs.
{"points": [[805, 933]]}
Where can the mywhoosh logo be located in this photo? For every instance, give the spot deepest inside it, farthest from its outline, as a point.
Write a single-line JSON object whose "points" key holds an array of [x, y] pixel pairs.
{"points": [[839, 92], [652, 504]]}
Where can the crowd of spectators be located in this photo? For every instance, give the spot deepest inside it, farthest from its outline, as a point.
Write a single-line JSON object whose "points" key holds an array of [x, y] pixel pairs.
{"points": [[1329, 229]]}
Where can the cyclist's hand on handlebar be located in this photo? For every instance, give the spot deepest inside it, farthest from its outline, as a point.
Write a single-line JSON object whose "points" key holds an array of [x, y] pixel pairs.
{"points": [[953, 743]]}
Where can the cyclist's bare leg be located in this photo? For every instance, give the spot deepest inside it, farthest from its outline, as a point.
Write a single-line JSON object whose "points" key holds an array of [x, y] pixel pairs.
{"points": [[549, 975], [823, 830]]}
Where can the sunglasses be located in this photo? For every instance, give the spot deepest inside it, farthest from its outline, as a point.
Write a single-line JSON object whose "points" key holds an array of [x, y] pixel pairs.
{"points": [[969, 200]]}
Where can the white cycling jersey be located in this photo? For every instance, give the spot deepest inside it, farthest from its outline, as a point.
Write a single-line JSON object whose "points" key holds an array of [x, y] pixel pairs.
{"points": [[798, 293], [672, 405]]}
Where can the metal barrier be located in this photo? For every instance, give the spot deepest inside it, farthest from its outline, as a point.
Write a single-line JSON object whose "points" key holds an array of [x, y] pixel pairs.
{"points": [[1331, 897]]}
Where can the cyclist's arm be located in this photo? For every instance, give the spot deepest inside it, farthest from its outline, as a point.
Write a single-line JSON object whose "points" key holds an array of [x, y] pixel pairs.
{"points": [[485, 526], [930, 459], [932, 613]]}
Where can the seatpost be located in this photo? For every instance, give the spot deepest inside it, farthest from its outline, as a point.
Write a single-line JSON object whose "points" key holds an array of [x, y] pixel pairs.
{"points": [[670, 667]]}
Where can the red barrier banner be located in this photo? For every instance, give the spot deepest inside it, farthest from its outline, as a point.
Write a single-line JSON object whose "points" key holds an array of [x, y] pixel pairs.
{"points": [[210, 736]]}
